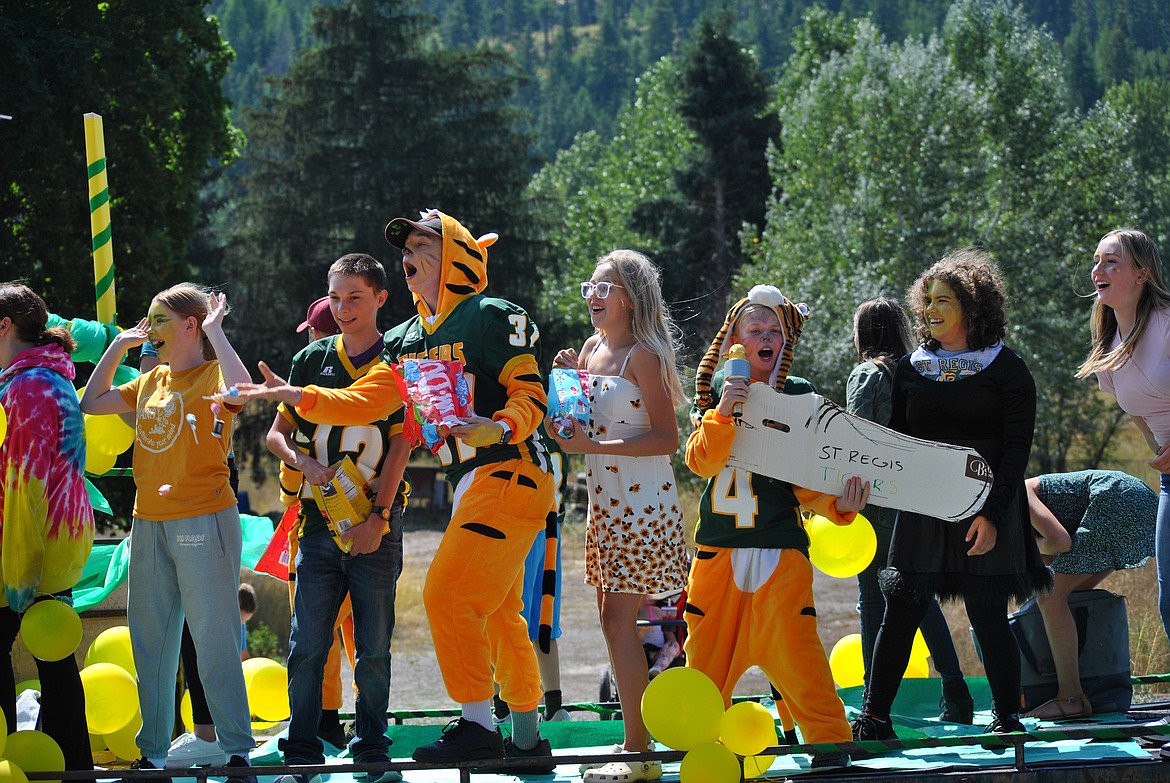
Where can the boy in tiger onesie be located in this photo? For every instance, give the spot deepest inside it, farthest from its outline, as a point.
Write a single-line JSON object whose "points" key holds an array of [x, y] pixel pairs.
{"points": [[749, 599], [499, 470]]}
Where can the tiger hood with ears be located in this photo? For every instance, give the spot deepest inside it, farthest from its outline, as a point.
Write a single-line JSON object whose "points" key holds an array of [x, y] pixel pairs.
{"points": [[464, 258], [792, 317]]}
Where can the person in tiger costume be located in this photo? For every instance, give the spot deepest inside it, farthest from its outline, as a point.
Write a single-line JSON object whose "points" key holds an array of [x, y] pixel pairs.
{"points": [[750, 598], [500, 471]]}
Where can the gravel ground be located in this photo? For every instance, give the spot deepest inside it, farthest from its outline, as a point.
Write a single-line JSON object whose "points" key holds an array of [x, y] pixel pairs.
{"points": [[416, 681]]}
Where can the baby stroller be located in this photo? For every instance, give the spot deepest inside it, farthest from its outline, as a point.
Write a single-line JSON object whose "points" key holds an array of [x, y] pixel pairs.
{"points": [[663, 631]]}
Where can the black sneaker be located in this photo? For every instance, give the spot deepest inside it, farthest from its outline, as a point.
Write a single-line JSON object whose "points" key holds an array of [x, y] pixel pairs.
{"points": [[1002, 724], [142, 763], [867, 727], [244, 775], [1005, 724], [462, 740], [541, 755], [830, 760]]}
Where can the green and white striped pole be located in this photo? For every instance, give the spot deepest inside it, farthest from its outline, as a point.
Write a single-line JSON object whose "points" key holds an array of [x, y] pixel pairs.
{"points": [[99, 219]]}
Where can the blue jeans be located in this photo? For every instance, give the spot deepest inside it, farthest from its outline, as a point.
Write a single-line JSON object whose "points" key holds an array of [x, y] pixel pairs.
{"points": [[324, 575], [1162, 552], [871, 605]]}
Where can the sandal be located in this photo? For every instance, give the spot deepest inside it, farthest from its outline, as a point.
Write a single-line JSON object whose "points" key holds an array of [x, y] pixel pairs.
{"points": [[624, 772], [582, 769], [1063, 709]]}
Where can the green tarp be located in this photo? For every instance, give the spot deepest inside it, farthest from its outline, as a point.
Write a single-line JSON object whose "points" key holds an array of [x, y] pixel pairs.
{"points": [[108, 563]]}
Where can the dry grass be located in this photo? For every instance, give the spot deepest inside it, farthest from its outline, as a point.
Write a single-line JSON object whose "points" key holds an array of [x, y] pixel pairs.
{"points": [[1148, 648]]}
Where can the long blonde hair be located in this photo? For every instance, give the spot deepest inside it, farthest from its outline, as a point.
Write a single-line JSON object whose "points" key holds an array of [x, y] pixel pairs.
{"points": [[190, 301], [652, 325], [1103, 323]]}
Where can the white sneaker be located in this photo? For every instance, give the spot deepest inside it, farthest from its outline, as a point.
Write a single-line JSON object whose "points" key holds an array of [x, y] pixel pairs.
{"points": [[624, 772], [190, 751], [618, 748], [560, 715]]}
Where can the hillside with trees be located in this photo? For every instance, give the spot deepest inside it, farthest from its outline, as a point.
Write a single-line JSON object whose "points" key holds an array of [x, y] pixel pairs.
{"points": [[834, 150]]}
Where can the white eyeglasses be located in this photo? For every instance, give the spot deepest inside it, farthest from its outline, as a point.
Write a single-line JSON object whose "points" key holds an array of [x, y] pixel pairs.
{"points": [[599, 289]]}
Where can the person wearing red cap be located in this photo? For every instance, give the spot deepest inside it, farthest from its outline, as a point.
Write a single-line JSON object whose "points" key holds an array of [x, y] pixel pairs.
{"points": [[319, 320]]}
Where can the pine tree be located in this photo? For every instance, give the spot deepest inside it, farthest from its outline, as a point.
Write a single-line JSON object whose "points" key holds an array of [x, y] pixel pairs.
{"points": [[722, 186], [370, 124]]}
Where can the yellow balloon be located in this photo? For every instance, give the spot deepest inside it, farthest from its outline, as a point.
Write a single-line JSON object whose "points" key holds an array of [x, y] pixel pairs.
{"points": [[111, 697], [37, 751], [682, 708], [3, 423], [3, 732], [268, 693], [254, 665], [112, 646], [755, 766], [97, 743], [51, 630], [845, 661], [710, 763], [841, 550], [124, 741], [919, 650], [917, 669], [186, 713], [97, 462], [11, 773], [107, 433], [747, 728]]}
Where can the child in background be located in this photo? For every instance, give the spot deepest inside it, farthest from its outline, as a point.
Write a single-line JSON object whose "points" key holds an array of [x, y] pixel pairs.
{"points": [[659, 641], [635, 544], [542, 585], [750, 598], [198, 747], [185, 536]]}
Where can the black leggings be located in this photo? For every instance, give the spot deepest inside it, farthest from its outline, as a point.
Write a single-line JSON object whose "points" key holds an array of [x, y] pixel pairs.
{"points": [[200, 712], [62, 698], [1001, 654]]}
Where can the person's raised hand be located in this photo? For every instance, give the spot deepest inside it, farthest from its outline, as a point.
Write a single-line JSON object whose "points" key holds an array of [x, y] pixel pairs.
{"points": [[273, 388], [733, 395], [132, 337], [214, 318]]}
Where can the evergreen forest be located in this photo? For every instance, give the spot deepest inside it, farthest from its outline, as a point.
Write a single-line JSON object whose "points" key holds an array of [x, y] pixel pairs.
{"points": [[834, 149]]}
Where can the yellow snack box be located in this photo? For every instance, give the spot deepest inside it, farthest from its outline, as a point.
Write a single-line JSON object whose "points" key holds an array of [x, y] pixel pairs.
{"points": [[345, 501]]}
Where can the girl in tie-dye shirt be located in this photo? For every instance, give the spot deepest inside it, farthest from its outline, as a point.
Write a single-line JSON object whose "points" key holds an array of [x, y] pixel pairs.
{"points": [[46, 521]]}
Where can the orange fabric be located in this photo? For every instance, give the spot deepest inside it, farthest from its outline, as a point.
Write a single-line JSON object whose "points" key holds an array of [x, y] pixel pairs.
{"points": [[775, 628], [372, 397], [473, 592]]}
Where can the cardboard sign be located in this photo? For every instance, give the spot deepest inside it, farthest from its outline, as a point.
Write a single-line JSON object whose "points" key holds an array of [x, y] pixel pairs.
{"points": [[812, 442]]}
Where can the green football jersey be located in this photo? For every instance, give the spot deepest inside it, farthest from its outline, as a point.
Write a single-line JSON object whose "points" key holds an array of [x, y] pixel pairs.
{"points": [[740, 509], [489, 336], [326, 363]]}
